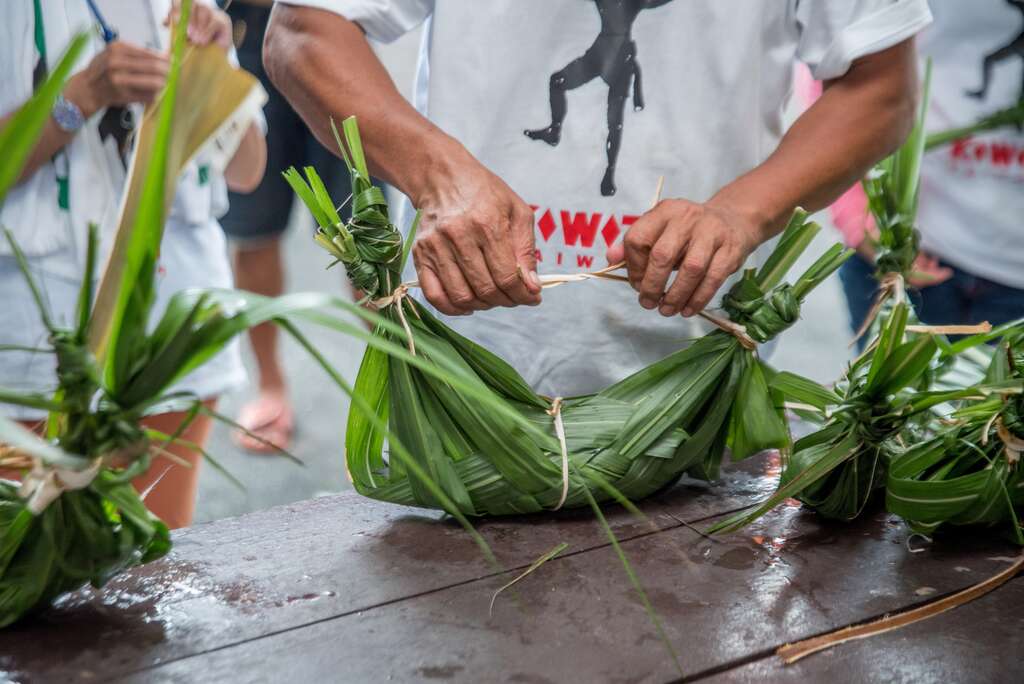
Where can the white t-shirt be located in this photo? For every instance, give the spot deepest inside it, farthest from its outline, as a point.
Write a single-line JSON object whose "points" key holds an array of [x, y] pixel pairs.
{"points": [[972, 191], [715, 75], [193, 252]]}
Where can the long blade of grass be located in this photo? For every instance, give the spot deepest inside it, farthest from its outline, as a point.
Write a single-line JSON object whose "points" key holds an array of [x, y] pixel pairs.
{"points": [[19, 136]]}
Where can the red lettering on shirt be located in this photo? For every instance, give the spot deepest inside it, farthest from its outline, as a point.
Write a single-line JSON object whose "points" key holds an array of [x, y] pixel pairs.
{"points": [[1002, 154], [610, 231], [581, 228], [546, 225], [584, 260], [958, 150]]}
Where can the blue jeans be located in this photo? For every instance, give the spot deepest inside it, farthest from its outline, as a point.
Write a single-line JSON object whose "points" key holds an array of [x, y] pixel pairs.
{"points": [[964, 299]]}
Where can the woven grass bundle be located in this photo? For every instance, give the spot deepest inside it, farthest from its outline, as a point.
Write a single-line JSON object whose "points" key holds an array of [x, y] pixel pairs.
{"points": [[905, 383], [969, 472], [626, 442], [73, 517]]}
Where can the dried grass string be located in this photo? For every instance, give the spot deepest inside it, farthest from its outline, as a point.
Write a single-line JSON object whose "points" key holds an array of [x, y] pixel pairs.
{"points": [[556, 413], [790, 653]]}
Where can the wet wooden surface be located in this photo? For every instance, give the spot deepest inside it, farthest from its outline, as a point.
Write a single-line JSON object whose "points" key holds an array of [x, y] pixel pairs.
{"points": [[346, 589]]}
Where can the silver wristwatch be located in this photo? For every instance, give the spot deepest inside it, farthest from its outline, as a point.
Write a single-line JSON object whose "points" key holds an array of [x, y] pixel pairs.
{"points": [[67, 115]]}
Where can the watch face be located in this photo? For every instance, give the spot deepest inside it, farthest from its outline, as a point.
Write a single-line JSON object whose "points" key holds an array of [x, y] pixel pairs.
{"points": [[67, 115]]}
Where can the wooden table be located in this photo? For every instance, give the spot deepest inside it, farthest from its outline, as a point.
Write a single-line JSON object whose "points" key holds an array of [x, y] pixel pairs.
{"points": [[346, 589]]}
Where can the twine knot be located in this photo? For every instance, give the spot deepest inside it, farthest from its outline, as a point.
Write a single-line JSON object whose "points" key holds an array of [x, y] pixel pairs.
{"points": [[395, 299]]}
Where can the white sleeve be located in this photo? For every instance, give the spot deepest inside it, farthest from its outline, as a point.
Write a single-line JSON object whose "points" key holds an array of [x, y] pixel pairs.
{"points": [[382, 20], [834, 33]]}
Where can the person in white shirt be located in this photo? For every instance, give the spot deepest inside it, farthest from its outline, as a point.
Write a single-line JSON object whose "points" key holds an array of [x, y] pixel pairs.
{"points": [[497, 205], [75, 176], [971, 206]]}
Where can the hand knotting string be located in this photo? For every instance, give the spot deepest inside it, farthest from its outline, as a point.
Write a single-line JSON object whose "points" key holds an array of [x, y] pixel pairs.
{"points": [[737, 330]]}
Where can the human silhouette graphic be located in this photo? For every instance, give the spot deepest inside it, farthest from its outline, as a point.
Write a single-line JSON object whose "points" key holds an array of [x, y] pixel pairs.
{"points": [[612, 57], [1015, 48]]}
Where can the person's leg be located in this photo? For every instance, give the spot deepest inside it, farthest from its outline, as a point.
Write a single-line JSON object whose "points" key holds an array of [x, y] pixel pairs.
{"points": [[945, 303], [259, 268], [255, 223], [994, 302], [170, 487], [860, 288]]}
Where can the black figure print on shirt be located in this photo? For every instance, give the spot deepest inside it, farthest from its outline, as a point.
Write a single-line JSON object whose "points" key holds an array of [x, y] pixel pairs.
{"points": [[1015, 48], [612, 56]]}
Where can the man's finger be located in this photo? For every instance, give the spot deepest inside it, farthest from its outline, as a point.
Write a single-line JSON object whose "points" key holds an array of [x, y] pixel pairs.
{"points": [[721, 267], [694, 264], [663, 259], [524, 248], [638, 242], [462, 247], [616, 253], [506, 273], [474, 262], [453, 268], [435, 293]]}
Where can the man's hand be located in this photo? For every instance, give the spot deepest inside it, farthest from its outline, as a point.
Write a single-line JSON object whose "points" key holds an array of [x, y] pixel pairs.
{"points": [[706, 243], [122, 74], [206, 25], [475, 246]]}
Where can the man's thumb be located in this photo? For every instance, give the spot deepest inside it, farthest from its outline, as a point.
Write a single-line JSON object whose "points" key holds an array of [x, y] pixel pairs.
{"points": [[524, 247], [616, 253]]}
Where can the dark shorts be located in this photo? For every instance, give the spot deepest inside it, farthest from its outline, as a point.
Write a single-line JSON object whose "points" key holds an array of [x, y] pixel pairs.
{"points": [[263, 213], [964, 299]]}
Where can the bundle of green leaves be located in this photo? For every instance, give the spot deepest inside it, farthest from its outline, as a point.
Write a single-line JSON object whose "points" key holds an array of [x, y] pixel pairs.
{"points": [[866, 419], [969, 472], [75, 518], [538, 453], [906, 382]]}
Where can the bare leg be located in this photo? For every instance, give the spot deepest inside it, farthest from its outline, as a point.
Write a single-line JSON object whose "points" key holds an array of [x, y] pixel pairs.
{"points": [[616, 110], [260, 269], [171, 486]]}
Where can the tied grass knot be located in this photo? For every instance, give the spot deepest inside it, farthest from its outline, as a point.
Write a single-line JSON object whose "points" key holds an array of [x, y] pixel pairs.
{"points": [[763, 316], [375, 267], [899, 247]]}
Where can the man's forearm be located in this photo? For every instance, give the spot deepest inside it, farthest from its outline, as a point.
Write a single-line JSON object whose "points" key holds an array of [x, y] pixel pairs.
{"points": [[860, 118], [325, 67]]}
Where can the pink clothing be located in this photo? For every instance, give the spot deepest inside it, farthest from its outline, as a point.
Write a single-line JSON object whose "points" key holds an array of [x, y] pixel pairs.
{"points": [[850, 212]]}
